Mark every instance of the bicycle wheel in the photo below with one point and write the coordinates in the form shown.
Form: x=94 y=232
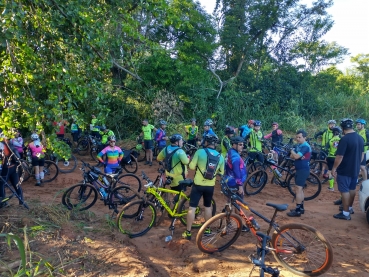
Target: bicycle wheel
x=83 y=147
x=141 y=156
x=254 y=166
x=160 y=210
x=302 y=250
x=199 y=214
x=225 y=230
x=120 y=196
x=317 y=167
x=136 y=218
x=80 y=197
x=93 y=153
x=131 y=166
x=312 y=188
x=130 y=180
x=51 y=171
x=67 y=166
x=255 y=182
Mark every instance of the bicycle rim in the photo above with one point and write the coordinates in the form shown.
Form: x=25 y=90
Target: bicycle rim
x=199 y=214
x=223 y=232
x=255 y=182
x=302 y=250
x=136 y=218
x=132 y=166
x=312 y=188
x=79 y=197
x=51 y=171
x=67 y=166
x=130 y=180
x=121 y=195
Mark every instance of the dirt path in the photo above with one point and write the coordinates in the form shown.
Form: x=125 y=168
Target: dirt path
x=93 y=247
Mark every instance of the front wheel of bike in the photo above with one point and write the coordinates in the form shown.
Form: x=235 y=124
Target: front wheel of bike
x=136 y=218
x=120 y=196
x=199 y=213
x=130 y=180
x=80 y=197
x=51 y=171
x=219 y=232
x=312 y=187
x=83 y=147
x=302 y=250
x=67 y=165
x=255 y=182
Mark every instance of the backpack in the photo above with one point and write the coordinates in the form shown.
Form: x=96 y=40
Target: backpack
x=168 y=159
x=211 y=165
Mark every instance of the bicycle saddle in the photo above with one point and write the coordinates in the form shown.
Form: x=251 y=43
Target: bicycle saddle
x=278 y=207
x=186 y=182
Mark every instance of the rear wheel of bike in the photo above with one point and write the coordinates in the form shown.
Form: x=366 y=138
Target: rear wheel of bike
x=222 y=231
x=80 y=197
x=120 y=196
x=93 y=153
x=160 y=210
x=67 y=165
x=141 y=154
x=136 y=218
x=317 y=167
x=130 y=180
x=255 y=182
x=302 y=250
x=132 y=165
x=199 y=214
x=312 y=188
x=51 y=171
x=83 y=147
x=254 y=166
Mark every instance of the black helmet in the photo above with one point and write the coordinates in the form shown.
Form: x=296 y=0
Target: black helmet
x=257 y=123
x=211 y=139
x=229 y=130
x=336 y=130
x=347 y=123
x=174 y=138
x=237 y=139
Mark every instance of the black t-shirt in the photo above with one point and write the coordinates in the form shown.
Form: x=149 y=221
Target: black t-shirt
x=351 y=147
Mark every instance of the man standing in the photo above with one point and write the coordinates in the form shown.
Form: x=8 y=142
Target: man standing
x=226 y=140
x=244 y=130
x=147 y=130
x=207 y=131
x=301 y=155
x=276 y=135
x=256 y=142
x=360 y=126
x=192 y=132
x=347 y=166
x=160 y=136
x=94 y=128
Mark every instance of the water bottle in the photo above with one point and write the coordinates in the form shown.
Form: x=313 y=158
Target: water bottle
x=103 y=193
x=254 y=223
x=29 y=159
x=276 y=171
x=168 y=238
x=106 y=182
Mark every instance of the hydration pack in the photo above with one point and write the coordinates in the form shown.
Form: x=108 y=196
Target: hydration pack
x=168 y=159
x=211 y=165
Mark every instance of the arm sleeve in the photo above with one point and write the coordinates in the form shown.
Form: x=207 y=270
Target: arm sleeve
x=121 y=155
x=183 y=157
x=279 y=132
x=221 y=165
x=161 y=155
x=193 y=163
x=236 y=170
x=99 y=156
x=268 y=136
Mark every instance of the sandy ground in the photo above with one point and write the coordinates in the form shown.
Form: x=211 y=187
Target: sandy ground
x=91 y=246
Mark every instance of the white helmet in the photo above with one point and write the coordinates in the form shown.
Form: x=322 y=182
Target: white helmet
x=34 y=137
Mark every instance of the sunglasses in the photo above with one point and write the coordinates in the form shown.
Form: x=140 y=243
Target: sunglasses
x=112 y=141
x=240 y=144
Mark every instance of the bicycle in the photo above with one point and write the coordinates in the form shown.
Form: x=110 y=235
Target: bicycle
x=112 y=189
x=189 y=148
x=299 y=248
x=85 y=144
x=257 y=180
x=140 y=149
x=26 y=170
x=138 y=217
x=5 y=199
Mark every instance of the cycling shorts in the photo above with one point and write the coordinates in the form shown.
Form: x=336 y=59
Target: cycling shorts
x=363 y=162
x=330 y=162
x=38 y=162
x=301 y=176
x=206 y=192
x=148 y=144
x=345 y=183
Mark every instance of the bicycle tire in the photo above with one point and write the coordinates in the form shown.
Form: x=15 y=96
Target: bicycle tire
x=255 y=182
x=120 y=196
x=254 y=166
x=225 y=230
x=312 y=188
x=130 y=180
x=136 y=218
x=75 y=197
x=199 y=214
x=312 y=239
x=83 y=147
x=141 y=154
x=317 y=167
x=93 y=153
x=69 y=166
x=161 y=212
x=51 y=171
x=132 y=166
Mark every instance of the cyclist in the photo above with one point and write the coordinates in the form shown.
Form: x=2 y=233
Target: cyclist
x=147 y=130
x=113 y=156
x=256 y=142
x=301 y=154
x=8 y=169
x=226 y=140
x=74 y=129
x=105 y=133
x=276 y=135
x=94 y=128
x=160 y=136
x=207 y=131
x=244 y=130
x=192 y=132
x=333 y=144
x=177 y=161
x=18 y=143
x=204 y=180
x=38 y=157
x=360 y=126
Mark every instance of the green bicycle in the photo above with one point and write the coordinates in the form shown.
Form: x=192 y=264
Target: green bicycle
x=138 y=217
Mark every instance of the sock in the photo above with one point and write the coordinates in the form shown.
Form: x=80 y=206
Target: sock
x=350 y=208
x=42 y=175
x=331 y=183
x=302 y=205
x=346 y=213
x=298 y=207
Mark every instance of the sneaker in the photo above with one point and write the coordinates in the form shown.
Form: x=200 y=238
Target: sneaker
x=341 y=209
x=337 y=202
x=150 y=164
x=302 y=211
x=38 y=183
x=330 y=189
x=207 y=232
x=342 y=216
x=294 y=213
x=186 y=235
x=146 y=163
x=245 y=229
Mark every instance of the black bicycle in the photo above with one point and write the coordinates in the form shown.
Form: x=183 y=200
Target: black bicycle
x=12 y=194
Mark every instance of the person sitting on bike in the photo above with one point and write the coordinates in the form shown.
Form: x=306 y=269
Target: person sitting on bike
x=207 y=131
x=105 y=133
x=8 y=171
x=192 y=132
x=301 y=154
x=333 y=144
x=178 y=161
x=360 y=126
x=160 y=136
x=147 y=130
x=18 y=143
x=38 y=157
x=256 y=142
x=204 y=180
x=244 y=130
x=226 y=140
x=113 y=156
x=276 y=135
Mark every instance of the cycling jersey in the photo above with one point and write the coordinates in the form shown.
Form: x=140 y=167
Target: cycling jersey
x=191 y=131
x=304 y=151
x=225 y=145
x=276 y=135
x=113 y=157
x=199 y=162
x=256 y=141
x=105 y=135
x=333 y=144
x=363 y=134
x=160 y=133
x=244 y=130
x=147 y=131
x=94 y=128
x=37 y=150
x=74 y=128
x=17 y=143
x=235 y=169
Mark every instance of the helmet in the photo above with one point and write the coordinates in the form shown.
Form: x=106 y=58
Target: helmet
x=331 y=121
x=211 y=139
x=251 y=121
x=208 y=122
x=193 y=119
x=336 y=130
x=174 y=138
x=360 y=120
x=275 y=123
x=139 y=146
x=111 y=138
x=162 y=122
x=102 y=127
x=34 y=137
x=257 y=123
x=347 y=123
x=229 y=130
x=237 y=139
